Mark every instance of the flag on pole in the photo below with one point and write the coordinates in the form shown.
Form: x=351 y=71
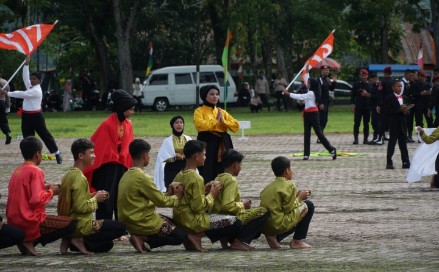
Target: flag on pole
x=420 y=57
x=149 y=67
x=225 y=58
x=321 y=53
x=25 y=40
x=240 y=62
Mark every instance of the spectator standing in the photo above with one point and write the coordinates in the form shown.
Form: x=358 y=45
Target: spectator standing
x=67 y=95
x=422 y=92
x=137 y=94
x=263 y=89
x=360 y=106
x=280 y=84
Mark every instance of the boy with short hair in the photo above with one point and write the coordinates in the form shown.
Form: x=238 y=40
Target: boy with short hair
x=229 y=199
x=191 y=214
x=76 y=201
x=289 y=209
x=27 y=198
x=137 y=200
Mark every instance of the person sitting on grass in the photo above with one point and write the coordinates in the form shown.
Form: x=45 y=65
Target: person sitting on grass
x=76 y=201
x=229 y=200
x=27 y=198
x=137 y=201
x=290 y=211
x=191 y=214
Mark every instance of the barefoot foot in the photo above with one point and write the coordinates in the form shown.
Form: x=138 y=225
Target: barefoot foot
x=138 y=244
x=65 y=243
x=298 y=244
x=79 y=244
x=238 y=245
x=195 y=240
x=272 y=242
x=30 y=248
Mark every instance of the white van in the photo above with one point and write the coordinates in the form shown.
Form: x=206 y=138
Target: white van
x=176 y=86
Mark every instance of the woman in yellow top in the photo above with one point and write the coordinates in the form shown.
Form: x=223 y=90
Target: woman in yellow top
x=212 y=124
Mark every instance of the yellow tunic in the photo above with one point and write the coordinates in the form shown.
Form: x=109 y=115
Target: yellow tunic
x=137 y=198
x=178 y=142
x=205 y=120
x=280 y=199
x=190 y=214
x=228 y=200
x=433 y=137
x=74 y=200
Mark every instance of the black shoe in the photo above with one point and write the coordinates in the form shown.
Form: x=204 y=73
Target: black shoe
x=334 y=153
x=410 y=140
x=355 y=141
x=389 y=166
x=385 y=138
x=318 y=141
x=8 y=139
x=406 y=165
x=58 y=158
x=365 y=141
x=305 y=158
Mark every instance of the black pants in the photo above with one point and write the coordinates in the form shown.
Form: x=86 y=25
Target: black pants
x=435 y=177
x=4 y=126
x=410 y=121
x=281 y=99
x=323 y=115
x=255 y=108
x=139 y=103
x=301 y=229
x=398 y=132
x=57 y=234
x=384 y=123
x=264 y=100
x=172 y=169
x=229 y=231
x=107 y=177
x=361 y=113
x=211 y=167
x=175 y=238
x=311 y=120
x=252 y=230
x=102 y=241
x=375 y=121
x=419 y=114
x=34 y=122
x=10 y=236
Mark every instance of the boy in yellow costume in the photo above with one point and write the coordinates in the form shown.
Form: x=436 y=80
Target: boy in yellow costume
x=290 y=211
x=76 y=201
x=229 y=200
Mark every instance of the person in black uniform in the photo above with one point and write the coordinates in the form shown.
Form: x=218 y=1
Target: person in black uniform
x=375 y=118
x=325 y=85
x=434 y=101
x=407 y=91
x=396 y=110
x=360 y=106
x=422 y=95
x=384 y=90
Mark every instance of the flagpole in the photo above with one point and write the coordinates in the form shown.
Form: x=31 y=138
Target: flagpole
x=292 y=81
x=21 y=65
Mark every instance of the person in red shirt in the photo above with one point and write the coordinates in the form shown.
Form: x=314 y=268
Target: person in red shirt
x=27 y=197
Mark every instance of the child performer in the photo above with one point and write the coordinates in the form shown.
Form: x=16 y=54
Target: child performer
x=27 y=198
x=137 y=200
x=290 y=211
x=229 y=200
x=397 y=112
x=311 y=118
x=76 y=201
x=190 y=213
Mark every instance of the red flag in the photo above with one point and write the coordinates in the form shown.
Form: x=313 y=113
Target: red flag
x=25 y=40
x=321 y=53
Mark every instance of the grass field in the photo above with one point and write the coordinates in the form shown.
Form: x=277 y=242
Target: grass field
x=151 y=123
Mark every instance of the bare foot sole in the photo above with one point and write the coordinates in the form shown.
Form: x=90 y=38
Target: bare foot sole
x=195 y=240
x=272 y=242
x=123 y=238
x=298 y=244
x=65 y=243
x=79 y=244
x=138 y=244
x=30 y=248
x=238 y=245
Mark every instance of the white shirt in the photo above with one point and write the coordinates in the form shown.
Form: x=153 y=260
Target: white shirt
x=309 y=97
x=32 y=96
x=399 y=97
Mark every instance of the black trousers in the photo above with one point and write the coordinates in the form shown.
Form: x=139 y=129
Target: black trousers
x=361 y=113
x=375 y=121
x=311 y=120
x=211 y=167
x=281 y=99
x=4 y=125
x=436 y=120
x=436 y=177
x=384 y=123
x=410 y=121
x=102 y=241
x=175 y=238
x=301 y=229
x=57 y=234
x=264 y=100
x=419 y=114
x=107 y=177
x=10 y=236
x=398 y=133
x=252 y=230
x=323 y=115
x=226 y=232
x=139 y=103
x=172 y=169
x=34 y=122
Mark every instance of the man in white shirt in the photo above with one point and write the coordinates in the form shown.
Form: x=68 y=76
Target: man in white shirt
x=32 y=119
x=4 y=126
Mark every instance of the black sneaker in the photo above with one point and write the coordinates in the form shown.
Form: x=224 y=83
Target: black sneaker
x=8 y=139
x=305 y=158
x=58 y=158
x=410 y=140
x=406 y=165
x=334 y=153
x=389 y=166
x=355 y=142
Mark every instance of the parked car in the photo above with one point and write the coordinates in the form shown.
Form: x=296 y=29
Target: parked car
x=176 y=86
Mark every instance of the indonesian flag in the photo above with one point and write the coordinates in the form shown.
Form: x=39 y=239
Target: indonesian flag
x=225 y=56
x=25 y=40
x=149 y=67
x=322 y=52
x=420 y=57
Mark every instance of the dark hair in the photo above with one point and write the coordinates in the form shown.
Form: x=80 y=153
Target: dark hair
x=29 y=146
x=138 y=147
x=80 y=146
x=37 y=75
x=193 y=147
x=395 y=82
x=279 y=164
x=231 y=156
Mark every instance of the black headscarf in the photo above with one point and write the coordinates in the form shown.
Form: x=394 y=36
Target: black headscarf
x=203 y=94
x=122 y=101
x=175 y=118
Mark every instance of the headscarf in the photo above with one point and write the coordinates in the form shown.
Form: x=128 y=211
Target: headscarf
x=122 y=101
x=203 y=94
x=175 y=118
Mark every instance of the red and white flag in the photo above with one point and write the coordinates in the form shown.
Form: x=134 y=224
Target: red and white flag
x=321 y=53
x=420 y=58
x=25 y=40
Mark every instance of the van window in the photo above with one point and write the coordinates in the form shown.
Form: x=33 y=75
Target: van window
x=205 y=77
x=220 y=76
x=183 y=78
x=159 y=79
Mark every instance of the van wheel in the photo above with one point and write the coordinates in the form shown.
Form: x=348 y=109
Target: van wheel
x=161 y=104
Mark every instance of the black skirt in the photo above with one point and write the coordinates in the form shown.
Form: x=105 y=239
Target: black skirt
x=172 y=169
